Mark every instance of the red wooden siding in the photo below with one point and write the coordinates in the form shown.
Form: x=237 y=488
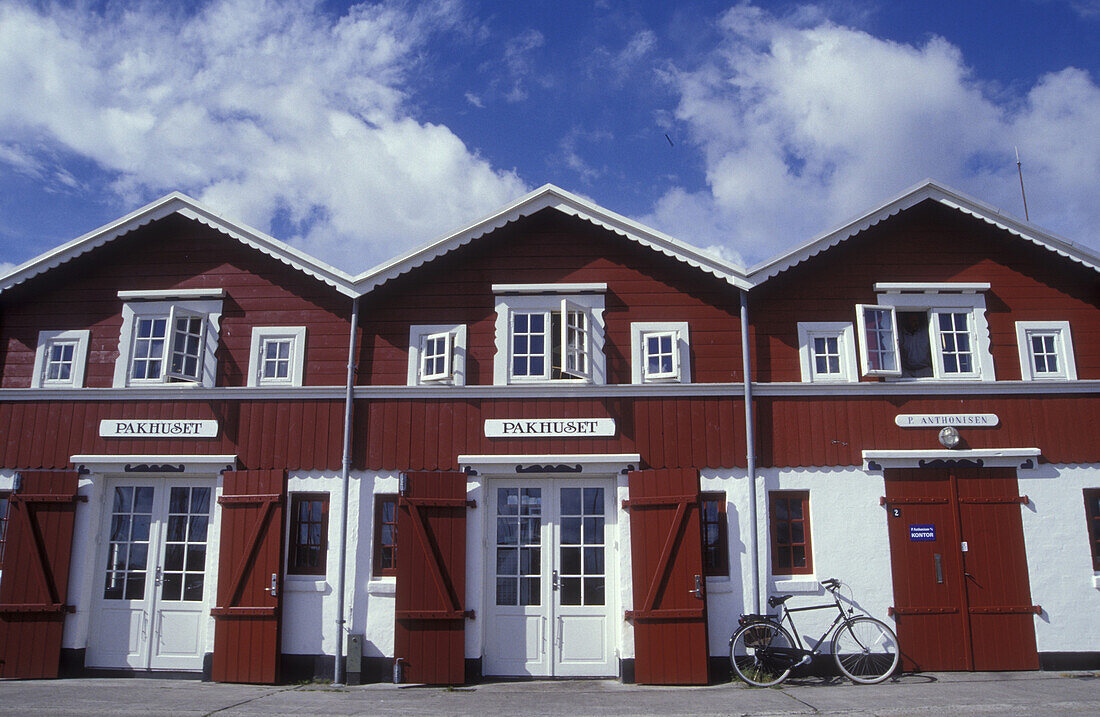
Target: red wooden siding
x=668 y=432
x=929 y=243
x=250 y=563
x=429 y=635
x=643 y=285
x=296 y=435
x=833 y=431
x=35 y=582
x=666 y=556
x=168 y=254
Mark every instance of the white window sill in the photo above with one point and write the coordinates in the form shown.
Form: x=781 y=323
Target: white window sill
x=806 y=584
x=1096 y=581
x=382 y=586
x=304 y=584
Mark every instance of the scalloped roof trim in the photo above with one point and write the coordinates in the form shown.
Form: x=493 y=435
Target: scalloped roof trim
x=936 y=192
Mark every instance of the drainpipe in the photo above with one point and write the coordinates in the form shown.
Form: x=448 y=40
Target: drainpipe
x=750 y=451
x=345 y=472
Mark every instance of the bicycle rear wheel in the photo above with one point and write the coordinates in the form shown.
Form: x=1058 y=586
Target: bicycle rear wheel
x=749 y=656
x=865 y=650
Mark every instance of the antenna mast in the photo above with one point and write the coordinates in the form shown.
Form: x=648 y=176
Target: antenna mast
x=1023 y=194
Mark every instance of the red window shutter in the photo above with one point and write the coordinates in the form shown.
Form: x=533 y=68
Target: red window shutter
x=35 y=582
x=429 y=636
x=250 y=561
x=669 y=615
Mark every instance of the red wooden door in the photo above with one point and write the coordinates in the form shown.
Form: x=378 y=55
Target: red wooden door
x=250 y=562
x=35 y=582
x=961 y=591
x=669 y=615
x=430 y=630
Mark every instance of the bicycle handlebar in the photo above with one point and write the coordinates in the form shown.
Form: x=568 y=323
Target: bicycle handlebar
x=830 y=583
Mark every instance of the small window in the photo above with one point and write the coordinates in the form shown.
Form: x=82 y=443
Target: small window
x=1092 y=515
x=385 y=535
x=59 y=359
x=168 y=342
x=277 y=356
x=660 y=352
x=308 y=534
x=1046 y=351
x=5 y=499
x=790 y=532
x=827 y=351
x=437 y=355
x=715 y=535
x=878 y=345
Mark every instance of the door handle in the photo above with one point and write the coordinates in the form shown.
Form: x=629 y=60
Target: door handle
x=939 y=567
x=274 y=589
x=698 y=591
x=554 y=580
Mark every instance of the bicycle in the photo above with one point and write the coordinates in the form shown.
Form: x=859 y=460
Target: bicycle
x=763 y=653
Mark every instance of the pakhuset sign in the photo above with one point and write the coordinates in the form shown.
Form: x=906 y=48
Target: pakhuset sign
x=548 y=427
x=130 y=428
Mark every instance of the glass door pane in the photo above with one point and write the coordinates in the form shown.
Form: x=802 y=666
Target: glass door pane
x=581 y=546
x=519 y=546
x=128 y=543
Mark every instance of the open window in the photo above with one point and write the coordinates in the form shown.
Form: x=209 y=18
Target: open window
x=277 y=356
x=929 y=331
x=59 y=359
x=437 y=355
x=1046 y=351
x=549 y=332
x=168 y=337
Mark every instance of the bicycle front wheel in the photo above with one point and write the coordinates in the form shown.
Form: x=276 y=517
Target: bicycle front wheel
x=750 y=658
x=865 y=650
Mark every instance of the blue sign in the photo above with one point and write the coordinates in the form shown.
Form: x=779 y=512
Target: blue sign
x=922 y=533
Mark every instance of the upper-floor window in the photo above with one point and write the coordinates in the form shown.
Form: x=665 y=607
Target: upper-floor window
x=549 y=332
x=277 y=356
x=1046 y=351
x=168 y=337
x=437 y=355
x=660 y=352
x=926 y=331
x=826 y=351
x=59 y=359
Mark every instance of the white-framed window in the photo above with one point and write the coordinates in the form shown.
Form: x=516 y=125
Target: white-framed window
x=826 y=351
x=926 y=331
x=660 y=352
x=59 y=359
x=1046 y=351
x=277 y=356
x=437 y=354
x=549 y=332
x=168 y=338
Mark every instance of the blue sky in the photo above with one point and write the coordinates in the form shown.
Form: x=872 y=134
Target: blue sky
x=355 y=131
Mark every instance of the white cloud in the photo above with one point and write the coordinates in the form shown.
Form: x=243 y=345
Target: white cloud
x=803 y=123
x=262 y=109
x=519 y=61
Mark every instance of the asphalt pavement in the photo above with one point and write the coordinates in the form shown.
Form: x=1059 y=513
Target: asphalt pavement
x=1002 y=694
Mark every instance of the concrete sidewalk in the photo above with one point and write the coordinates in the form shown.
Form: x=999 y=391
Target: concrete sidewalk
x=1019 y=693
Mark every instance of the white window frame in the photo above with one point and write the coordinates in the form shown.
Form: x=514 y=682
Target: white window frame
x=1063 y=345
x=296 y=335
x=934 y=299
x=78 y=339
x=681 y=352
x=547 y=299
x=456 y=360
x=209 y=309
x=844 y=333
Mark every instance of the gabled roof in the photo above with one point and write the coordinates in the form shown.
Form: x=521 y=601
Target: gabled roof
x=927 y=190
x=176 y=203
x=549 y=196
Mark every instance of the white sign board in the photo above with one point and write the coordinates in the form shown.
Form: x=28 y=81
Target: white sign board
x=131 y=428
x=938 y=420
x=548 y=427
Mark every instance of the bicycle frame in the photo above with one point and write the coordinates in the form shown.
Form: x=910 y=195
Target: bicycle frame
x=786 y=615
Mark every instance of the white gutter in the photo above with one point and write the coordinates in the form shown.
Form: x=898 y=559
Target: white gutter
x=750 y=451
x=345 y=471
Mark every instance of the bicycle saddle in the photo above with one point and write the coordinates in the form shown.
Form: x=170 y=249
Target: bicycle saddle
x=777 y=600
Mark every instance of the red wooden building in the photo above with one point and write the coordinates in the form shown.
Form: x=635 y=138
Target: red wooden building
x=524 y=449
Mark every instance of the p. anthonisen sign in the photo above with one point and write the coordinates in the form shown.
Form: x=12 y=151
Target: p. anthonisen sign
x=938 y=420
x=548 y=427
x=133 y=428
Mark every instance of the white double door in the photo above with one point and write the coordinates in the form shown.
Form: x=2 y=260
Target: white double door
x=550 y=578
x=151 y=587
